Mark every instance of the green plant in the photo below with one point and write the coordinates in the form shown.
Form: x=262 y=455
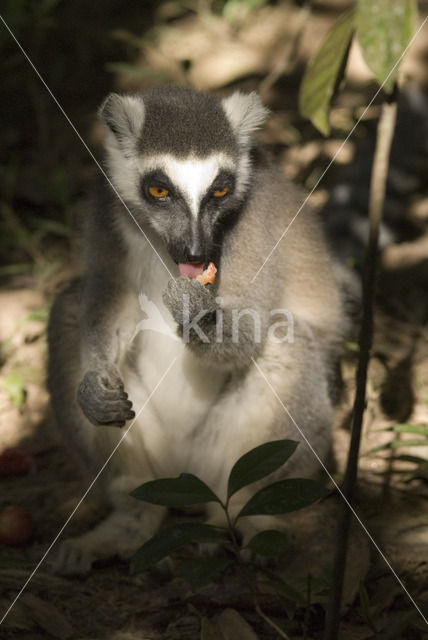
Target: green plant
x=384 y=30
x=232 y=9
x=418 y=465
x=14 y=386
x=278 y=498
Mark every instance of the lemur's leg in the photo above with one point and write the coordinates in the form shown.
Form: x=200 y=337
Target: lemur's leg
x=249 y=414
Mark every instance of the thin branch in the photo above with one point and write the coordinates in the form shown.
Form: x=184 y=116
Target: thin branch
x=385 y=134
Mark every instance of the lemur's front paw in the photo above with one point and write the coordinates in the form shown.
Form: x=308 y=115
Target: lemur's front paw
x=103 y=400
x=186 y=298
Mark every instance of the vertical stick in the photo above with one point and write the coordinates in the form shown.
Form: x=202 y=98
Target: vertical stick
x=385 y=132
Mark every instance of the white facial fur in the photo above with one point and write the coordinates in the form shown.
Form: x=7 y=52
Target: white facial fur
x=124 y=119
x=128 y=120
x=193 y=176
x=246 y=113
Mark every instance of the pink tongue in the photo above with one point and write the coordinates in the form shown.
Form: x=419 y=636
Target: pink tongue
x=190 y=269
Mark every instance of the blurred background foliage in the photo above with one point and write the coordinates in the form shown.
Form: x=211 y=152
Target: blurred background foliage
x=82 y=50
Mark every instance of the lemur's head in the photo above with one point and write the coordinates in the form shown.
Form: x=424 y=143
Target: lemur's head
x=180 y=159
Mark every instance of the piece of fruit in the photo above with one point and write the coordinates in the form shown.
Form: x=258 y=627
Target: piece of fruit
x=208 y=276
x=16 y=526
x=14 y=462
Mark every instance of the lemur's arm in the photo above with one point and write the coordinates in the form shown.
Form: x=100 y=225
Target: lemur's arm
x=226 y=334
x=101 y=394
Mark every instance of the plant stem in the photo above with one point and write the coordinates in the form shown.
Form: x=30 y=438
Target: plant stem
x=231 y=526
x=385 y=132
x=248 y=578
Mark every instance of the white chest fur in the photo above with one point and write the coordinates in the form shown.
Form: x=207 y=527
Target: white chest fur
x=188 y=391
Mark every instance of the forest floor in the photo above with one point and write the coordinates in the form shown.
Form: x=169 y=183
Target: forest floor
x=392 y=498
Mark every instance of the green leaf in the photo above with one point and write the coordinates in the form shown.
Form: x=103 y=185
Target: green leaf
x=237 y=9
x=284 y=496
x=269 y=543
x=41 y=315
x=185 y=490
x=172 y=538
x=325 y=72
x=384 y=29
x=258 y=463
x=14 y=386
x=364 y=600
x=411 y=428
x=199 y=572
x=354 y=347
x=398 y=444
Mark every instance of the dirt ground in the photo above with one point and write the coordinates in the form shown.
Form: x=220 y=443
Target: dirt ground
x=265 y=49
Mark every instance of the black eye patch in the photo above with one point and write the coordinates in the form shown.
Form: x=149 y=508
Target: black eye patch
x=159 y=180
x=224 y=183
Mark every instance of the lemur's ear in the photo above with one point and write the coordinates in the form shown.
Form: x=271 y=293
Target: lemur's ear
x=246 y=113
x=123 y=117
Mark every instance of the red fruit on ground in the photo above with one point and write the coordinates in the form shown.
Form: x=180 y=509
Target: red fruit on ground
x=14 y=462
x=16 y=526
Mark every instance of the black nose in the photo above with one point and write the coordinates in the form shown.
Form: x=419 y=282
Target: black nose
x=197 y=258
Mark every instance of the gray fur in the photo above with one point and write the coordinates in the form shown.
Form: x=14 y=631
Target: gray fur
x=174 y=125
x=213 y=405
x=229 y=352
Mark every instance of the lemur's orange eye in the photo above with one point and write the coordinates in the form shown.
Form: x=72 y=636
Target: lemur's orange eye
x=158 y=192
x=220 y=193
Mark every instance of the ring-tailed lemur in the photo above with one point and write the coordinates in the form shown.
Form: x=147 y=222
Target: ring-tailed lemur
x=184 y=164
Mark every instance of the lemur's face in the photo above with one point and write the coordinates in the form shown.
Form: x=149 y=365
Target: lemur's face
x=188 y=200
x=180 y=159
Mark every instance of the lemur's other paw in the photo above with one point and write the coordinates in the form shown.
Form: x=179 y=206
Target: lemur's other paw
x=185 y=298
x=103 y=400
